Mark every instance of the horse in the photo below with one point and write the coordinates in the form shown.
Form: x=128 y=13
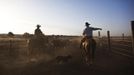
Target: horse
x=37 y=45
x=88 y=52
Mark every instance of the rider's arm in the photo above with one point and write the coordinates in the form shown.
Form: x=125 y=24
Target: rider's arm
x=96 y=28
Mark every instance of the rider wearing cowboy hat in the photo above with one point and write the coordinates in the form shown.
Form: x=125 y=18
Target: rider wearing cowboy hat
x=38 y=32
x=88 y=33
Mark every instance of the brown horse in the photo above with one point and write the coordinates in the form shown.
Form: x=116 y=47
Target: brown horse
x=37 y=46
x=88 y=53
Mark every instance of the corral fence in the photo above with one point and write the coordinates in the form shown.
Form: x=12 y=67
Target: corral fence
x=13 y=48
x=123 y=45
x=117 y=44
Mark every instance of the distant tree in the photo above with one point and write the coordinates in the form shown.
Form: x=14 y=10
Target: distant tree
x=10 y=34
x=26 y=35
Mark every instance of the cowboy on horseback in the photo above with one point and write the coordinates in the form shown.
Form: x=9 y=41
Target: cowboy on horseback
x=88 y=44
x=88 y=33
x=38 y=33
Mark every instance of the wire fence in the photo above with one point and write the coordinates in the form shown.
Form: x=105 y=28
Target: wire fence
x=120 y=45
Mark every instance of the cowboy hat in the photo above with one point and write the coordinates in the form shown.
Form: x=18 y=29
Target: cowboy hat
x=87 y=24
x=38 y=25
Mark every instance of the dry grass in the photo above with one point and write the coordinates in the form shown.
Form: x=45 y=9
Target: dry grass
x=15 y=59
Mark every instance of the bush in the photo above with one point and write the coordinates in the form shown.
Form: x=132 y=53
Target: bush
x=26 y=35
x=10 y=34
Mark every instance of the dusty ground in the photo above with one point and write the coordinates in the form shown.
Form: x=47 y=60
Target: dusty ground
x=44 y=64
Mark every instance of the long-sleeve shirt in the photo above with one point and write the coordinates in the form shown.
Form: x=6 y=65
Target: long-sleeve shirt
x=38 y=33
x=88 y=31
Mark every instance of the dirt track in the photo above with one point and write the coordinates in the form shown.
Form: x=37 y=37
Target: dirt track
x=105 y=64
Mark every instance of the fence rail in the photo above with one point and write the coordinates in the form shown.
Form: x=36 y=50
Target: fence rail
x=10 y=47
x=120 y=45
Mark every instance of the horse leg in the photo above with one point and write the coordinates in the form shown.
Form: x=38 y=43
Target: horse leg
x=91 y=56
x=88 y=59
x=88 y=56
x=93 y=48
x=84 y=56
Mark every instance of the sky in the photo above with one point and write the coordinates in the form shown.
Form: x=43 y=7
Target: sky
x=66 y=17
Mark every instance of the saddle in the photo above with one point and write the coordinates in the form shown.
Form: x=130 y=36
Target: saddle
x=88 y=42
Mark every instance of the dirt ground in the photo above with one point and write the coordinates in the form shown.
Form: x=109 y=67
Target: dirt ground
x=105 y=63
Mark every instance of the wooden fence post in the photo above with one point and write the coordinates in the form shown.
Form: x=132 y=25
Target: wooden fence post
x=123 y=36
x=10 y=47
x=99 y=39
x=99 y=34
x=132 y=27
x=109 y=43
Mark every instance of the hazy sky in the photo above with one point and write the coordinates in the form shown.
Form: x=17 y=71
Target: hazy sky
x=66 y=16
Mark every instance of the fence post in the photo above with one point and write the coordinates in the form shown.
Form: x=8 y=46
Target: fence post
x=123 y=36
x=109 y=43
x=10 y=47
x=99 y=39
x=132 y=27
x=99 y=34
